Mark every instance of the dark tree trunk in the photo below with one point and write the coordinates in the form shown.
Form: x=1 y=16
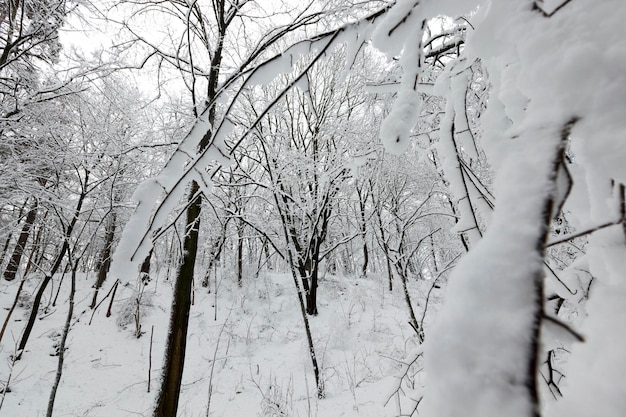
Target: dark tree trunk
x=315 y=249
x=12 y=309
x=240 y=254
x=167 y=400
x=62 y=343
x=301 y=302
x=18 y=252
x=34 y=310
x=268 y=259
x=385 y=247
x=304 y=270
x=43 y=244
x=36 y=249
x=310 y=278
x=145 y=265
x=57 y=263
x=5 y=248
x=434 y=254
x=363 y=227
x=105 y=259
x=316 y=371
x=7 y=242
x=407 y=298
x=215 y=254
x=389 y=274
x=550 y=209
x=365 y=259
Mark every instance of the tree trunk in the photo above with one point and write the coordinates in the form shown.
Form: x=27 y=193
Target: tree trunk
x=407 y=298
x=12 y=309
x=62 y=343
x=16 y=258
x=57 y=263
x=304 y=270
x=36 y=249
x=145 y=266
x=5 y=248
x=240 y=254
x=44 y=243
x=37 y=301
x=214 y=254
x=268 y=259
x=365 y=259
x=433 y=252
x=167 y=400
x=105 y=260
x=363 y=227
x=301 y=302
x=385 y=247
x=7 y=242
x=311 y=293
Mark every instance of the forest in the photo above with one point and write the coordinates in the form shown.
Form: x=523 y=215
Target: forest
x=301 y=208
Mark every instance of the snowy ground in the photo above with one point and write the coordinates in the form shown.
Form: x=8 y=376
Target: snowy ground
x=253 y=358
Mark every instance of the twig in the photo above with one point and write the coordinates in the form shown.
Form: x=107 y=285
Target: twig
x=573 y=236
x=545 y=14
x=150 y=357
x=102 y=301
x=559 y=279
x=117 y=283
x=406 y=366
x=217 y=346
x=564 y=326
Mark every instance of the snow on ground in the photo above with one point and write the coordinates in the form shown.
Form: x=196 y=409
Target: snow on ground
x=255 y=351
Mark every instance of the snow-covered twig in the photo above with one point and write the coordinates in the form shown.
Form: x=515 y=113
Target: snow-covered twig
x=12 y=360
x=541 y=10
x=396 y=390
x=564 y=326
x=582 y=233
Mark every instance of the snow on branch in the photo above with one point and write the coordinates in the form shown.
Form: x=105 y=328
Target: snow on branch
x=398 y=30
